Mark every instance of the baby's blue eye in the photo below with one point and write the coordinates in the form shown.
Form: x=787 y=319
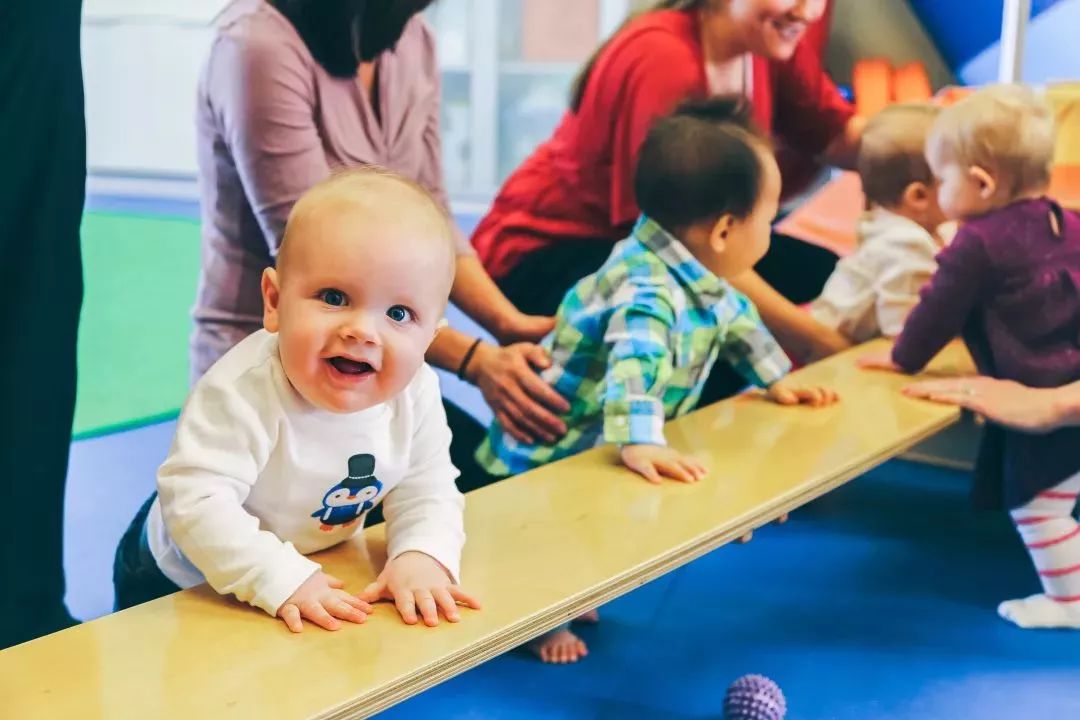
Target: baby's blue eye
x=399 y=314
x=333 y=298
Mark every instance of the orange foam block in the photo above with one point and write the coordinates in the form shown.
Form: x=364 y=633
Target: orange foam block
x=1065 y=186
x=828 y=218
x=911 y=83
x=872 y=84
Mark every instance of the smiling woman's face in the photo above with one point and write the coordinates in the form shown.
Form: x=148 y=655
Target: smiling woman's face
x=773 y=28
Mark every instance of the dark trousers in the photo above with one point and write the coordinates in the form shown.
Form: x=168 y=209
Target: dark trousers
x=136 y=576
x=537 y=285
x=42 y=181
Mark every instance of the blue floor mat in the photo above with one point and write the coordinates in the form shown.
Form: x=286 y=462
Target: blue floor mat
x=876 y=601
x=109 y=477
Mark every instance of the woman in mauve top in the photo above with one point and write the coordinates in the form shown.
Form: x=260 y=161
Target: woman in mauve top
x=557 y=216
x=287 y=96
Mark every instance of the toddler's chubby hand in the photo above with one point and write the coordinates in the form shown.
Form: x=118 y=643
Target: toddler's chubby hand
x=654 y=462
x=323 y=601
x=881 y=360
x=415 y=582
x=788 y=393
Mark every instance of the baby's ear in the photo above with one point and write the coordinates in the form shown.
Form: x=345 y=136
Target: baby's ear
x=718 y=237
x=271 y=292
x=916 y=195
x=985 y=180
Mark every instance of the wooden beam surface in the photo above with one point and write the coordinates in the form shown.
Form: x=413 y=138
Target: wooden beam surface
x=542 y=547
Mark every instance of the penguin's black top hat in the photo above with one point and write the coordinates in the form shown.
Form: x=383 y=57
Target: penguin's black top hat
x=361 y=467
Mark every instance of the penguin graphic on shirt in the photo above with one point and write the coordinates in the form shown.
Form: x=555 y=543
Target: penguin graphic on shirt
x=344 y=503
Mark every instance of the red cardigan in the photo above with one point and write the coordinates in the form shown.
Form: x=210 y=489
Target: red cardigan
x=578 y=186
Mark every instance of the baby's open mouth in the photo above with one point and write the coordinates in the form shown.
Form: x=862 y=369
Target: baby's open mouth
x=346 y=366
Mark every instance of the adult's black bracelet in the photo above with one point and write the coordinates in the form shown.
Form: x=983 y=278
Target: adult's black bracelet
x=468 y=356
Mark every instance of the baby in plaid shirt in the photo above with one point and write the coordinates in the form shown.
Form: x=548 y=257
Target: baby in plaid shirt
x=634 y=343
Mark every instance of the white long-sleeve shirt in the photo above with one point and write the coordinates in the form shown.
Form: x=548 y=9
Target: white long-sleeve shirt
x=872 y=291
x=257 y=478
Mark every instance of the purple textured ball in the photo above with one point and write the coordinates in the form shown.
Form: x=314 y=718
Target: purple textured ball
x=754 y=697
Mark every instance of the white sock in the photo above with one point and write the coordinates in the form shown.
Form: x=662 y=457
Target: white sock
x=1052 y=538
x=1039 y=611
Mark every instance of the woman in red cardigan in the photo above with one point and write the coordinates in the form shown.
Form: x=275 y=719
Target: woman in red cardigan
x=557 y=216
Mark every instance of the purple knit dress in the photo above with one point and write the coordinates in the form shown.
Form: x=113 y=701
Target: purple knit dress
x=1010 y=285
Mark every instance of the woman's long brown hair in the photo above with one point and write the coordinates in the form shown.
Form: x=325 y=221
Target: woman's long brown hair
x=577 y=90
x=340 y=34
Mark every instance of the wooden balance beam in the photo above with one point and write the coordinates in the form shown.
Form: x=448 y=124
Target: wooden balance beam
x=543 y=547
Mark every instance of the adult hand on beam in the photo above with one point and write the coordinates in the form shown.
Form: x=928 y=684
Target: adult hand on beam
x=1032 y=410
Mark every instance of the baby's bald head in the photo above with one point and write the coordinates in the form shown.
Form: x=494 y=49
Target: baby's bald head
x=376 y=200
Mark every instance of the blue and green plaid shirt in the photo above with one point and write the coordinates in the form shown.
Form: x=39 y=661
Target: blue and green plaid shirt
x=632 y=346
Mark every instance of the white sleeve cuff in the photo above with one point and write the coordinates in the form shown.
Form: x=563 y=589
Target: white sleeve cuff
x=273 y=590
x=438 y=548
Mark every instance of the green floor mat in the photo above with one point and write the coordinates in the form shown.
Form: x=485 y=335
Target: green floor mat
x=141 y=274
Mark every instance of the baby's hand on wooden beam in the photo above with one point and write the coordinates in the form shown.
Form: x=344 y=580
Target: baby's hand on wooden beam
x=323 y=601
x=655 y=462
x=787 y=393
x=421 y=588
x=880 y=360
